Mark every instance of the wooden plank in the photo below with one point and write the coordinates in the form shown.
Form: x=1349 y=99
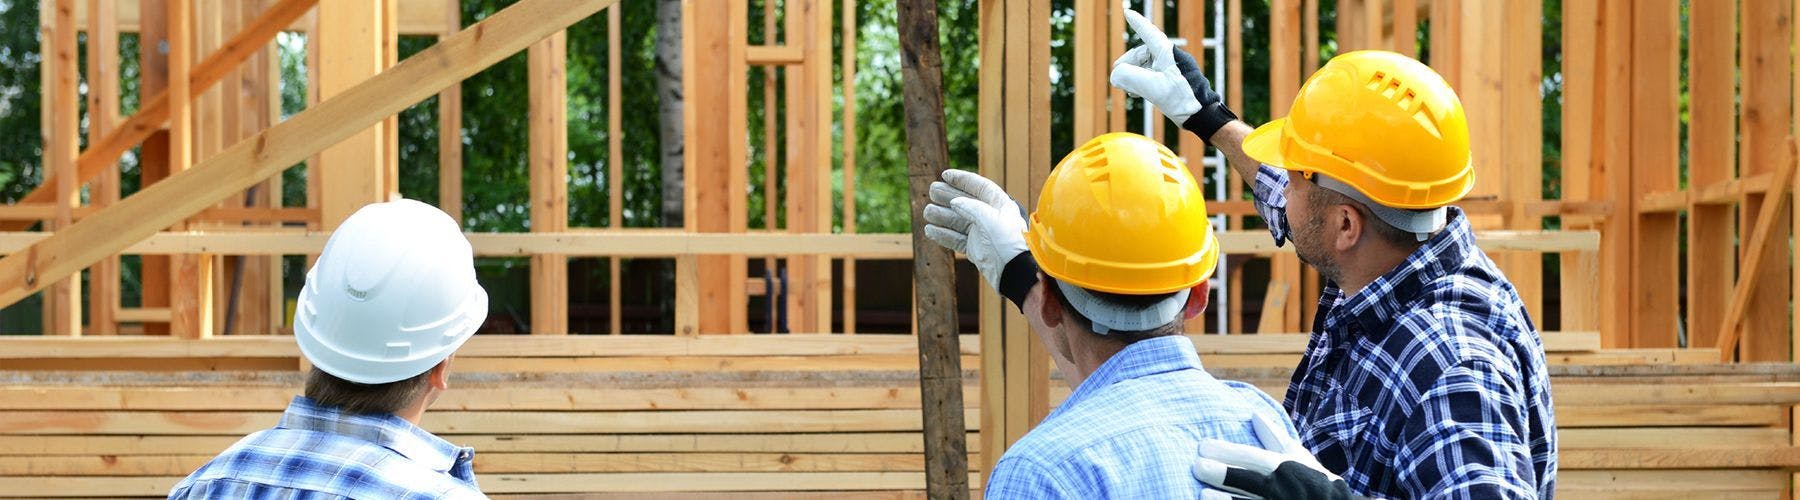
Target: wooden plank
x=1579 y=270
x=1668 y=482
x=991 y=117
x=1309 y=33
x=1284 y=85
x=1667 y=415
x=549 y=173
x=450 y=153
x=254 y=159
x=848 y=68
x=1522 y=104
x=1655 y=138
x=350 y=43
x=103 y=114
x=615 y=158
x=1446 y=39
x=1612 y=160
x=836 y=442
x=507 y=463
x=1766 y=79
x=449 y=423
x=1406 y=27
x=773 y=55
x=190 y=277
x=1655 y=437
x=631 y=482
x=655 y=243
x=61 y=68
x=1677 y=458
x=517 y=398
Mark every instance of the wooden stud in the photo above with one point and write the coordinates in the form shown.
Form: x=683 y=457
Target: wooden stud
x=1766 y=77
x=848 y=66
x=62 y=117
x=190 y=285
x=1580 y=270
x=1191 y=25
x=350 y=46
x=103 y=115
x=992 y=119
x=549 y=169
x=615 y=159
x=1655 y=137
x=1406 y=27
x=257 y=158
x=1309 y=32
x=1613 y=160
x=1446 y=39
x=1522 y=58
x=1284 y=85
x=1712 y=131
x=450 y=147
x=771 y=162
x=1234 y=98
x=390 y=128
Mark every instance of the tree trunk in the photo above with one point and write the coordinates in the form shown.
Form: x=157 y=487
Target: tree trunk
x=668 y=93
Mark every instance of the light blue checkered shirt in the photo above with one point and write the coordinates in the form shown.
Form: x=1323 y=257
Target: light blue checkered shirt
x=1133 y=429
x=318 y=452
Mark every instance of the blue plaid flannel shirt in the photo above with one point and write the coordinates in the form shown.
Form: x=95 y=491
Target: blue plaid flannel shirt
x=1132 y=429
x=317 y=452
x=1428 y=383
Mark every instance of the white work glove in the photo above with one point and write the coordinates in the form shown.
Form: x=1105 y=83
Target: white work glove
x=1286 y=470
x=1149 y=71
x=970 y=214
x=1171 y=80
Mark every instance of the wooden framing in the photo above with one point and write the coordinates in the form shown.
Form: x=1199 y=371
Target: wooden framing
x=1767 y=92
x=61 y=114
x=547 y=77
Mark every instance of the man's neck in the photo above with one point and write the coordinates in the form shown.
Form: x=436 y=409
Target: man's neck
x=1370 y=264
x=1090 y=352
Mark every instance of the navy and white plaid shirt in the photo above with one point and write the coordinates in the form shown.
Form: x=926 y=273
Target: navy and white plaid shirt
x=1429 y=382
x=318 y=452
x=1131 y=429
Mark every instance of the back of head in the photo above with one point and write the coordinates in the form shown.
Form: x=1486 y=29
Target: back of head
x=393 y=295
x=1121 y=226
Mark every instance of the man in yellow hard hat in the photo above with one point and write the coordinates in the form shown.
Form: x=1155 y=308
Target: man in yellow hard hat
x=1424 y=377
x=1122 y=237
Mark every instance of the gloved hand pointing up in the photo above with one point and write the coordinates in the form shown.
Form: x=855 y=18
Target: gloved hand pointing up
x=1170 y=79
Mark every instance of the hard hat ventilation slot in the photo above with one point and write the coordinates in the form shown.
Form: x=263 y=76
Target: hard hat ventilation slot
x=1377 y=81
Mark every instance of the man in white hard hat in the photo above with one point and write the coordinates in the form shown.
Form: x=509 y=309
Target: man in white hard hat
x=388 y=302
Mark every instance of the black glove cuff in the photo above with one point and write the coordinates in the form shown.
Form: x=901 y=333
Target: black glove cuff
x=1016 y=280
x=1209 y=120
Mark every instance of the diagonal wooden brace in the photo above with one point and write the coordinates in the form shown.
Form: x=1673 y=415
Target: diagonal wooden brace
x=1773 y=204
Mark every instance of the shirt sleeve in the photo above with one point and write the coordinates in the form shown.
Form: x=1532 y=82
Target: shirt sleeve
x=1271 y=200
x=1020 y=478
x=1466 y=440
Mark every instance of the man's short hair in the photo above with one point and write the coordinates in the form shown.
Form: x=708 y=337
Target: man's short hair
x=326 y=389
x=1131 y=301
x=1386 y=232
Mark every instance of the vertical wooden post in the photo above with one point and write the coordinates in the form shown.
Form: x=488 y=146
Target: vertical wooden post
x=62 y=116
x=809 y=153
x=1234 y=186
x=450 y=153
x=615 y=158
x=1284 y=85
x=992 y=119
x=1309 y=35
x=716 y=176
x=1712 y=131
x=1655 y=139
x=1581 y=63
x=849 y=159
x=1446 y=38
x=549 y=173
x=1613 y=171
x=1191 y=25
x=350 y=46
x=154 y=155
x=940 y=362
x=771 y=162
x=1114 y=38
x=1766 y=77
x=103 y=115
x=1523 y=103
x=1406 y=28
x=190 y=290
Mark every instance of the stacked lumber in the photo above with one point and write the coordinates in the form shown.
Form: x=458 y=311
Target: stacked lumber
x=778 y=416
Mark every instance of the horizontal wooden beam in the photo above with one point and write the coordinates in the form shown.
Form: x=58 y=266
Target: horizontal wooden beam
x=142 y=315
x=269 y=152
x=769 y=55
x=512 y=346
x=835 y=442
x=739 y=485
x=1534 y=208
x=663 y=243
x=26 y=212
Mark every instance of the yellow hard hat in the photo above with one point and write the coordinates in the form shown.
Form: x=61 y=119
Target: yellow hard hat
x=1121 y=214
x=1381 y=122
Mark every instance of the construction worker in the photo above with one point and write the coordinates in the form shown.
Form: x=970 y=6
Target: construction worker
x=1424 y=376
x=1125 y=247
x=388 y=302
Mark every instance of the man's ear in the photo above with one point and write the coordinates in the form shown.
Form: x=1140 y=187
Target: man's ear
x=440 y=374
x=1196 y=301
x=1350 y=227
x=1050 y=309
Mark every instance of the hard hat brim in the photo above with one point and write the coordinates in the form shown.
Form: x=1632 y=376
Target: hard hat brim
x=1264 y=144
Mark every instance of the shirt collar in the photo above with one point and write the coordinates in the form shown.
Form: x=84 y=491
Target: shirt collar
x=1376 y=305
x=386 y=430
x=1141 y=359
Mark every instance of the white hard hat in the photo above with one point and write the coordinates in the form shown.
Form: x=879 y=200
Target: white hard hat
x=393 y=294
